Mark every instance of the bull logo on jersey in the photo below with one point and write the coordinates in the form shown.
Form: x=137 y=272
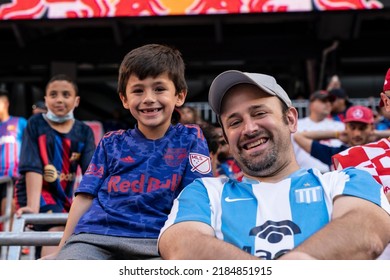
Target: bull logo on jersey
x=278 y=237
x=50 y=173
x=200 y=163
x=174 y=157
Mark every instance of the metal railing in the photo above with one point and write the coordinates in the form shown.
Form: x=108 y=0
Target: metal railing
x=302 y=105
x=18 y=237
x=5 y=218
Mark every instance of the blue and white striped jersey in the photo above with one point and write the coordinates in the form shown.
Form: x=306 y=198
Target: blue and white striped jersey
x=269 y=219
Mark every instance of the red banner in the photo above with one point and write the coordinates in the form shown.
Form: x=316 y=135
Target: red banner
x=54 y=9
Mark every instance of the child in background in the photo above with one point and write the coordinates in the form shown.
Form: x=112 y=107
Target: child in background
x=54 y=145
x=128 y=190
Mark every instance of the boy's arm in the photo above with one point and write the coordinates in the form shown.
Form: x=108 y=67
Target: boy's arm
x=33 y=190
x=359 y=230
x=196 y=240
x=81 y=203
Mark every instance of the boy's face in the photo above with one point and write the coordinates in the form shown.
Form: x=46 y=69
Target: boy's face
x=151 y=102
x=61 y=98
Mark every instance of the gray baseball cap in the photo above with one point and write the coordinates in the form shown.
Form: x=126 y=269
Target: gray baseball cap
x=224 y=81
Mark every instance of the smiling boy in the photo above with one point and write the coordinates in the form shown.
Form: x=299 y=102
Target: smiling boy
x=127 y=192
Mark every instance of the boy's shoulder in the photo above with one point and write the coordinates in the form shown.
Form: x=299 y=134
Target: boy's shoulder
x=114 y=134
x=189 y=129
x=176 y=131
x=36 y=120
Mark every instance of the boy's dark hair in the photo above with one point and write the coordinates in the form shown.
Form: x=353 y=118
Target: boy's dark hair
x=150 y=61
x=63 y=77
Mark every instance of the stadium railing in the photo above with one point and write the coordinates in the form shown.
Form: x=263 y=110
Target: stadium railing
x=302 y=105
x=12 y=241
x=6 y=217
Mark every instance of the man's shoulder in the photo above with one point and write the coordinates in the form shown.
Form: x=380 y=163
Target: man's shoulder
x=211 y=182
x=351 y=172
x=19 y=118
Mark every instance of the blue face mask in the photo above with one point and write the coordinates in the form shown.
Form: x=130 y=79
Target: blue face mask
x=54 y=118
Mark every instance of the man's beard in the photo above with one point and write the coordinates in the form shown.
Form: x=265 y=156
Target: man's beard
x=259 y=168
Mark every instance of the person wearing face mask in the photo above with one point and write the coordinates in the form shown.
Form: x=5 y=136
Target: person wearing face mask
x=54 y=145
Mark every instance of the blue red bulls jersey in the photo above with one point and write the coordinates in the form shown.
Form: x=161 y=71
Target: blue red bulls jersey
x=269 y=219
x=134 y=180
x=11 y=134
x=56 y=156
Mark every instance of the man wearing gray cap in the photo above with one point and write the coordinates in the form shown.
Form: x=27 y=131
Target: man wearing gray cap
x=278 y=211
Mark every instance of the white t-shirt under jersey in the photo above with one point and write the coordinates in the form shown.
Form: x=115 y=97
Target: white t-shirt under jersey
x=304 y=159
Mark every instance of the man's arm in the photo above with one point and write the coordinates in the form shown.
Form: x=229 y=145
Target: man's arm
x=303 y=141
x=379 y=134
x=196 y=240
x=359 y=230
x=305 y=138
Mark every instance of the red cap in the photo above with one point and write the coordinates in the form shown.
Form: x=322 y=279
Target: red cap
x=359 y=114
x=386 y=86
